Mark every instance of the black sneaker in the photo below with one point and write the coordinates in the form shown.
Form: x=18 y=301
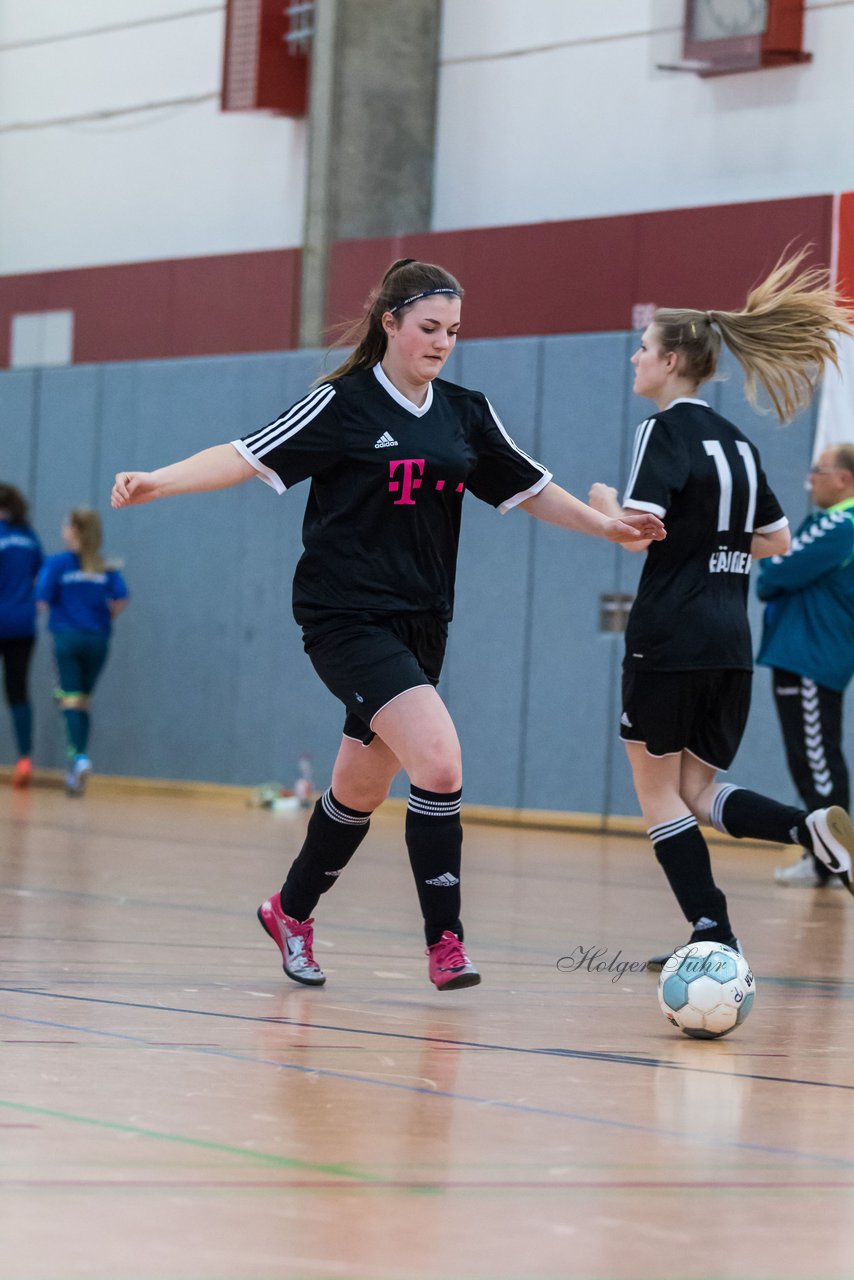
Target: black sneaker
x=656 y=963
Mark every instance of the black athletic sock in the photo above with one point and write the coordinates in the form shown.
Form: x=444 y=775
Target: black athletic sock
x=434 y=838
x=684 y=858
x=333 y=836
x=745 y=814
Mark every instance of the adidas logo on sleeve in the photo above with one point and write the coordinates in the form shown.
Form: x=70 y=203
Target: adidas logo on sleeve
x=385 y=441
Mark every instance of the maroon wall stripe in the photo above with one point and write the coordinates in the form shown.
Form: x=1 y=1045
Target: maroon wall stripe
x=586 y=276
x=710 y=257
x=147 y=310
x=553 y=277
x=845 y=265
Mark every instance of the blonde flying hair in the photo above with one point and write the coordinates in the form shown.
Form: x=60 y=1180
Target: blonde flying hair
x=403 y=284
x=86 y=523
x=783 y=338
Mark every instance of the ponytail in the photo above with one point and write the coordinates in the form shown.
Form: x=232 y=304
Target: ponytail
x=783 y=338
x=86 y=523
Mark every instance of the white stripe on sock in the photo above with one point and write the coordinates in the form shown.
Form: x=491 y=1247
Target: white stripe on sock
x=716 y=813
x=434 y=808
x=666 y=830
x=337 y=815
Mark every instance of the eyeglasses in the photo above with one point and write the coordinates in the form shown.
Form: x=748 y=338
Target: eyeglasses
x=824 y=471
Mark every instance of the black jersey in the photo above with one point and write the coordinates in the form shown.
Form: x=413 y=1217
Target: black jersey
x=382 y=522
x=703 y=477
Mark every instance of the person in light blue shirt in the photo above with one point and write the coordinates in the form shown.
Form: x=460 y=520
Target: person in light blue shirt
x=808 y=641
x=83 y=595
x=20 y=560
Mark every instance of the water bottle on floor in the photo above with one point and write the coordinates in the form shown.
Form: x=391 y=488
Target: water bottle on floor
x=304 y=785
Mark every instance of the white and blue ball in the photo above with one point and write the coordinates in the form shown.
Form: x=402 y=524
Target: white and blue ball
x=706 y=989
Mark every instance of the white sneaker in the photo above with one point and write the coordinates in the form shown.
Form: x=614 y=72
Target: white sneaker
x=803 y=875
x=832 y=839
x=77 y=775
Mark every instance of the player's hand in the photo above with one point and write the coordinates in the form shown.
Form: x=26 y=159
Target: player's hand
x=133 y=488
x=603 y=498
x=636 y=526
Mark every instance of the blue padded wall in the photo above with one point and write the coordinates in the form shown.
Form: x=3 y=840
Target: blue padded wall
x=207 y=678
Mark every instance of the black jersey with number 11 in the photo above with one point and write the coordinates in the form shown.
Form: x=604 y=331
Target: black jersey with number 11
x=704 y=478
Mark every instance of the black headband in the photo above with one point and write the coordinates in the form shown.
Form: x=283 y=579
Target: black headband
x=427 y=293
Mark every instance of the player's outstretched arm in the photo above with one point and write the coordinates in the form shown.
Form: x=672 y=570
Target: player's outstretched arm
x=555 y=506
x=604 y=498
x=216 y=468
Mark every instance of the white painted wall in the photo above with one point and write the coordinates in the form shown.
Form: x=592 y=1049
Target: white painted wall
x=165 y=182
x=548 y=109
x=555 y=109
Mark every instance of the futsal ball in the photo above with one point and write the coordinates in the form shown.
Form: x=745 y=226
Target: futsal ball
x=706 y=989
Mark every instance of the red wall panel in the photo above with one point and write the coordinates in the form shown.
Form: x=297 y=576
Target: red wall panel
x=710 y=257
x=554 y=277
x=192 y=306
x=585 y=276
x=845 y=262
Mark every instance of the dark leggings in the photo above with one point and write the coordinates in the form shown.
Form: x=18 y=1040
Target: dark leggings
x=16 y=653
x=811 y=720
x=80 y=656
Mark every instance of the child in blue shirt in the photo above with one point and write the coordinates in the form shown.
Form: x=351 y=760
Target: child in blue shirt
x=83 y=595
x=20 y=560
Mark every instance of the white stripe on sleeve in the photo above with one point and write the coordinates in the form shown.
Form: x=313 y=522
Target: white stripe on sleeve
x=512 y=442
x=297 y=417
x=535 y=488
x=527 y=493
x=642 y=435
x=772 y=528
x=264 y=473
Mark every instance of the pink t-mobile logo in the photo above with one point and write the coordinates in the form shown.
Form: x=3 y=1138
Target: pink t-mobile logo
x=411 y=479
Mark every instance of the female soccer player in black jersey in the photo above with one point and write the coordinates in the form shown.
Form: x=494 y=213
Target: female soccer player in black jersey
x=688 y=660
x=390 y=451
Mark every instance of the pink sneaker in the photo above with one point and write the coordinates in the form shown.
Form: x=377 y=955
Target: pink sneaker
x=294 y=940
x=23 y=774
x=450 y=967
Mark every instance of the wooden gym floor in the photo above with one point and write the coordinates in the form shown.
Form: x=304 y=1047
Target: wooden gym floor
x=171 y=1106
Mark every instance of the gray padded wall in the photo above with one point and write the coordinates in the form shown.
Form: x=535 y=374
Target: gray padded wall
x=574 y=667
x=786 y=452
x=488 y=651
x=207 y=678
x=19 y=428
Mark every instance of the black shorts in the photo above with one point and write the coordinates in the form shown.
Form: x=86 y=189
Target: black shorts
x=703 y=712
x=366 y=663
